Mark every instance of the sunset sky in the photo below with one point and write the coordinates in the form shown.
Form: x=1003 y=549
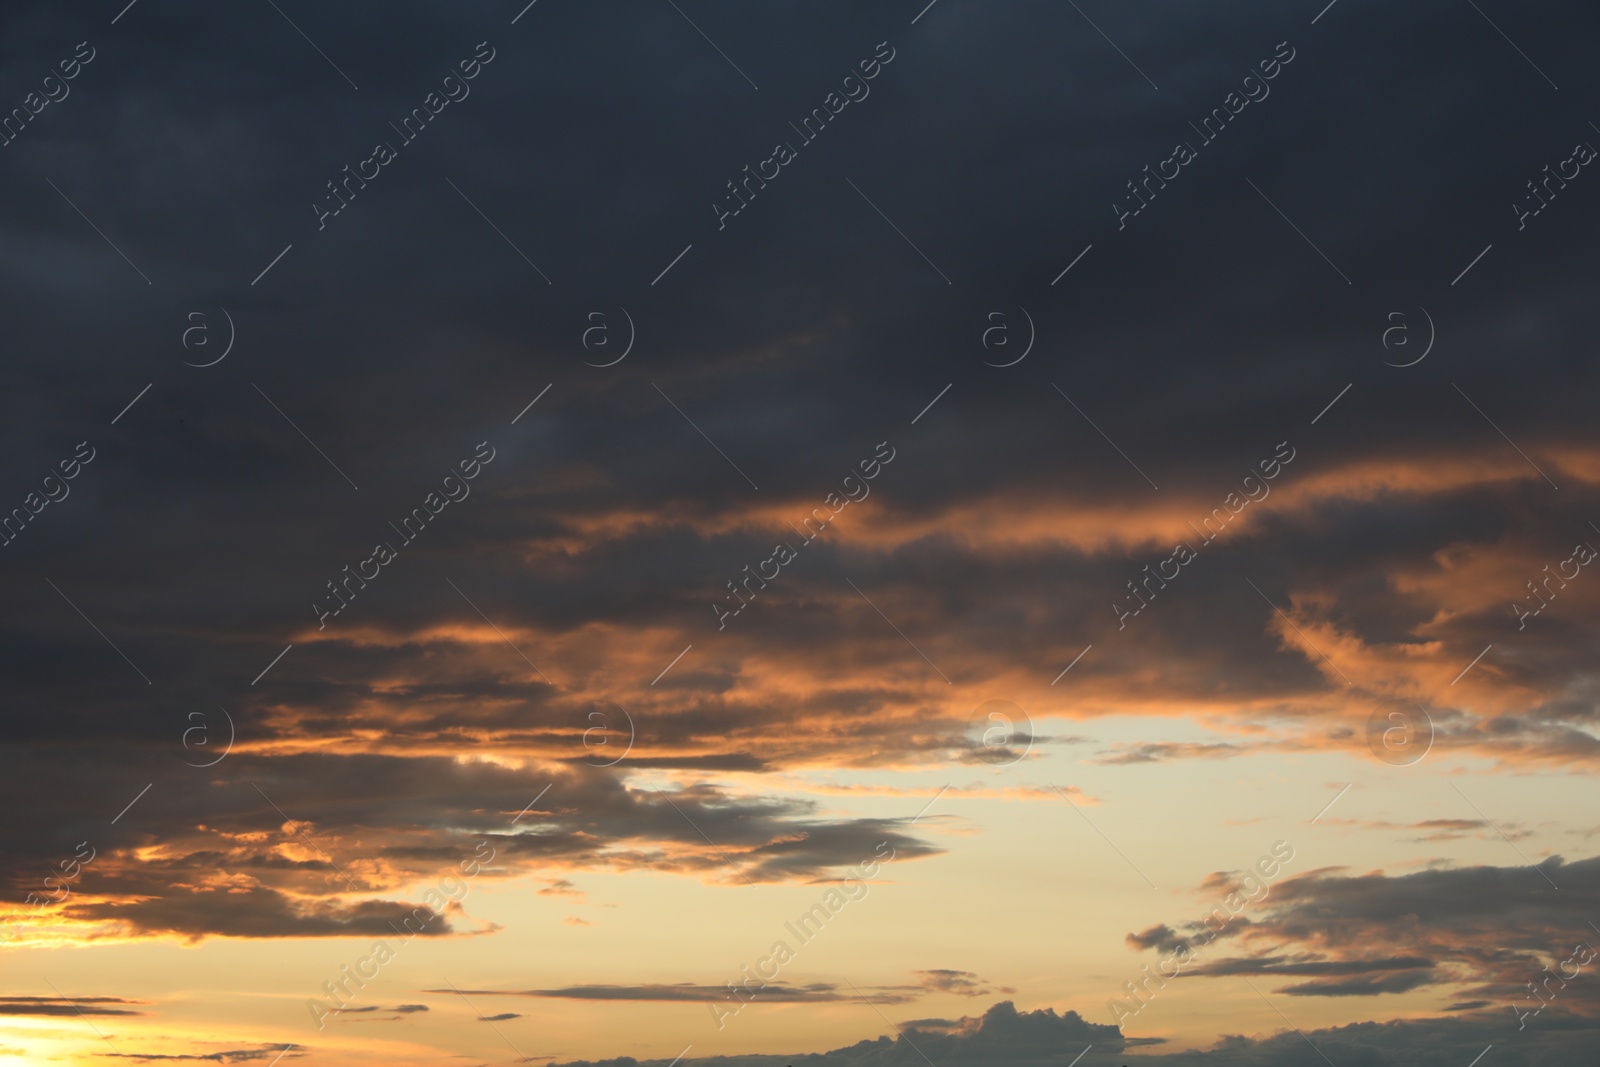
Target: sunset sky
x=1011 y=534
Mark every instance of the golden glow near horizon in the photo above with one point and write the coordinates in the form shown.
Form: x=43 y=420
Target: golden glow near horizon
x=565 y=928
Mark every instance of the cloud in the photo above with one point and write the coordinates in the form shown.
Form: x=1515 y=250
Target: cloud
x=1280 y=965
x=1441 y=829
x=772 y=992
x=1164 y=751
x=1002 y=1035
x=235 y=1055
x=371 y=837
x=1364 y=986
x=37 y=1005
x=962 y=983
x=1479 y=933
x=377 y=1013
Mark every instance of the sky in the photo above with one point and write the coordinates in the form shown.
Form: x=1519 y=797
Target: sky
x=676 y=531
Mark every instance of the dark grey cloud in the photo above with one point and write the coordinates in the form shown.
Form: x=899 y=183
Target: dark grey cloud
x=772 y=992
x=1002 y=1035
x=1161 y=751
x=964 y=983
x=1005 y=1037
x=35 y=1005
x=1512 y=939
x=374 y=1013
x=432 y=821
x=263 y=1053
x=758 y=347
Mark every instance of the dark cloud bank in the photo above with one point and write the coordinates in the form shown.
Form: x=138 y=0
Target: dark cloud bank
x=1005 y=1037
